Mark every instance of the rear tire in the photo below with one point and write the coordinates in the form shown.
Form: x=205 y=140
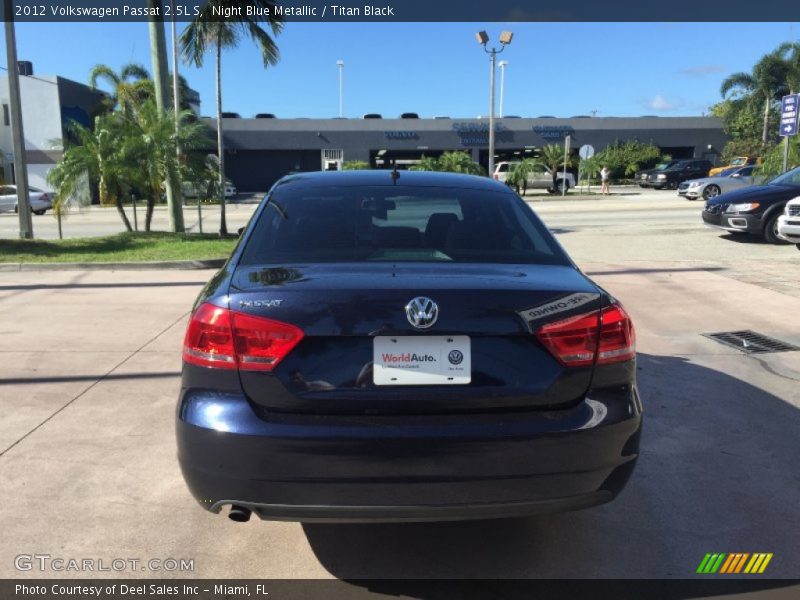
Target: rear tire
x=562 y=185
x=771 y=230
x=39 y=212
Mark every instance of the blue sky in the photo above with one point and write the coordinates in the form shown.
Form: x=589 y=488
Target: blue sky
x=559 y=69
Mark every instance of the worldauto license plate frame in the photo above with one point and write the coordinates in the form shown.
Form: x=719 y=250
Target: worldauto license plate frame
x=422 y=360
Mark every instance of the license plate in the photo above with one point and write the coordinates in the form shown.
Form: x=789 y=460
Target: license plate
x=421 y=360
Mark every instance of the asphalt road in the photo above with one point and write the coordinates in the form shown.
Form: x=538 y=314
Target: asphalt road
x=89 y=380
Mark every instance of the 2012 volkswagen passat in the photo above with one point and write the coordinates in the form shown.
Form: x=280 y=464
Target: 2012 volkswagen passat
x=404 y=346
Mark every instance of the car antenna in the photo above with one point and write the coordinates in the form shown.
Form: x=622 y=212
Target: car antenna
x=395 y=174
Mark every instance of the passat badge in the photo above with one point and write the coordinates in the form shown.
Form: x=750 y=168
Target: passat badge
x=422 y=312
x=260 y=303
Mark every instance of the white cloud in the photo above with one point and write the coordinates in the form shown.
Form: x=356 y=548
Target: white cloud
x=660 y=103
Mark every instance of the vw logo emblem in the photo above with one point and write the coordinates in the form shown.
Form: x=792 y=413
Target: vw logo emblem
x=422 y=312
x=455 y=357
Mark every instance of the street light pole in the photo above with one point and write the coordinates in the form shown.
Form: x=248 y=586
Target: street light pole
x=491 y=112
x=505 y=39
x=340 y=64
x=17 y=133
x=502 y=64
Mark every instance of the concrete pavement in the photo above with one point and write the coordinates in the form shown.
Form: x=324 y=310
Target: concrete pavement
x=90 y=374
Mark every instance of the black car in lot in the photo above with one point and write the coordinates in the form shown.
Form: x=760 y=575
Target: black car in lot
x=642 y=177
x=676 y=173
x=754 y=209
x=404 y=346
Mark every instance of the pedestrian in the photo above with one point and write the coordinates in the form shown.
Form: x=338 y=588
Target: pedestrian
x=604 y=174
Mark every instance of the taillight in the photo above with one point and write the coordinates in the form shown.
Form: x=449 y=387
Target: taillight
x=225 y=339
x=45 y=198
x=496 y=177
x=617 y=336
x=575 y=343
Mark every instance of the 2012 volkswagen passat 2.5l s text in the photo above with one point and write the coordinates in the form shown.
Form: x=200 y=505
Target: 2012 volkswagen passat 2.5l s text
x=404 y=346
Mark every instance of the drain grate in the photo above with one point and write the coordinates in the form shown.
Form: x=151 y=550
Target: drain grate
x=750 y=342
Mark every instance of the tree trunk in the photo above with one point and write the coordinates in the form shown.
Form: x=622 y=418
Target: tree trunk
x=123 y=216
x=765 y=134
x=158 y=55
x=148 y=217
x=223 y=225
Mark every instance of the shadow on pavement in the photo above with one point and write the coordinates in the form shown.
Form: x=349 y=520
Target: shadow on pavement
x=744 y=238
x=718 y=472
x=69 y=378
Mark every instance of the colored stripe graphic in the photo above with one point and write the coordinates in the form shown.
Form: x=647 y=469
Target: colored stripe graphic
x=733 y=563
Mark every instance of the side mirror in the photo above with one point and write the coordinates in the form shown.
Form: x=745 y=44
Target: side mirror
x=240 y=231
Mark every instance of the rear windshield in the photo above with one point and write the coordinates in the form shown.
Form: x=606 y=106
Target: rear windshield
x=346 y=224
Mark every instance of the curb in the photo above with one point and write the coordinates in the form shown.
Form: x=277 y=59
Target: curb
x=168 y=265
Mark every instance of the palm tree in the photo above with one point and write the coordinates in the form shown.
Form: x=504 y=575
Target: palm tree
x=552 y=157
x=790 y=53
x=765 y=84
x=158 y=54
x=158 y=142
x=105 y=156
x=459 y=161
x=208 y=31
x=455 y=161
x=518 y=176
x=130 y=86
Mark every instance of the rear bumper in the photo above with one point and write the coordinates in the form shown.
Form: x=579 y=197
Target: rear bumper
x=362 y=468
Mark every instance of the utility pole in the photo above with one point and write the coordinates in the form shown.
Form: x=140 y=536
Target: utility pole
x=502 y=64
x=340 y=64
x=158 y=57
x=17 y=131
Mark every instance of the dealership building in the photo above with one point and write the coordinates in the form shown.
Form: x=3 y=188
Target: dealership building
x=259 y=151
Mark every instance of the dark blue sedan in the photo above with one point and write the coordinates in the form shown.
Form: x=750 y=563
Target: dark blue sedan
x=409 y=346
x=754 y=209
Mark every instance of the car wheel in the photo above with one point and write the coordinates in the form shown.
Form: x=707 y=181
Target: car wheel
x=39 y=212
x=562 y=186
x=673 y=185
x=771 y=230
x=711 y=191
x=16 y=209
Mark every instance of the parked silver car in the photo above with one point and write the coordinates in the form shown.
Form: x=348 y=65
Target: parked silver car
x=39 y=199
x=709 y=187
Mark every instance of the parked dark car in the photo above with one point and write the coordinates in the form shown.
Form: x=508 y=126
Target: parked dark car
x=754 y=209
x=642 y=177
x=404 y=346
x=676 y=173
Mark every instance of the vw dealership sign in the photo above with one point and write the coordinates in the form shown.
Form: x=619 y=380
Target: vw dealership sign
x=789 y=115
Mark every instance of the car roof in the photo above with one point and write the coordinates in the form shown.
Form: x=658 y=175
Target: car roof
x=381 y=177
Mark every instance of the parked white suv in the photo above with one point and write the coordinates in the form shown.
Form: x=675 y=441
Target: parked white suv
x=539 y=178
x=789 y=222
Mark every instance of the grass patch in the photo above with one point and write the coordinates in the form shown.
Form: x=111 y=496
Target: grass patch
x=122 y=247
